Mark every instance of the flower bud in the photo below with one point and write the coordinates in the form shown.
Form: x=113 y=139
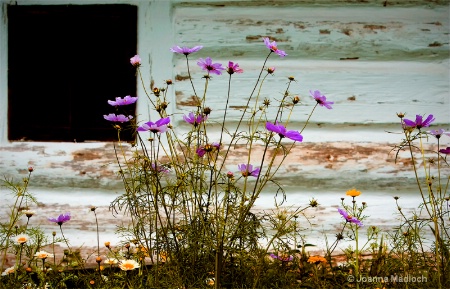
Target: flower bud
x=207 y=111
x=107 y=244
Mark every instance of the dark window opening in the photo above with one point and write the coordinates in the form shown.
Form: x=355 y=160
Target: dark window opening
x=64 y=63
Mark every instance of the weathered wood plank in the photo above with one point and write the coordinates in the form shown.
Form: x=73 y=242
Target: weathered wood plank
x=369 y=33
x=364 y=92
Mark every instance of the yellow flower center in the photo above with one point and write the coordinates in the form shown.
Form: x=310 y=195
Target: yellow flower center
x=128 y=266
x=42 y=256
x=274 y=48
x=21 y=240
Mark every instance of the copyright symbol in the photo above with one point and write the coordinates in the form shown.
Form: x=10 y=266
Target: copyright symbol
x=350 y=278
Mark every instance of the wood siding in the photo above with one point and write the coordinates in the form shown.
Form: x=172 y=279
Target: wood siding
x=372 y=60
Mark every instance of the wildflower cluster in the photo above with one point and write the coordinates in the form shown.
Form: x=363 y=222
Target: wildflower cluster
x=212 y=204
x=191 y=198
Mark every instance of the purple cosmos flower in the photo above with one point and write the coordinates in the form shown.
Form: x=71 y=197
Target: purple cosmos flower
x=202 y=150
x=158 y=126
x=247 y=170
x=350 y=218
x=206 y=64
x=321 y=99
x=123 y=101
x=233 y=68
x=282 y=132
x=135 y=60
x=193 y=119
x=273 y=47
x=282 y=258
x=445 y=151
x=61 y=219
x=419 y=123
x=117 y=118
x=185 y=50
x=439 y=132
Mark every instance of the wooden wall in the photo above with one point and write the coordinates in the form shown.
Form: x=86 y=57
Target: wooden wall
x=372 y=58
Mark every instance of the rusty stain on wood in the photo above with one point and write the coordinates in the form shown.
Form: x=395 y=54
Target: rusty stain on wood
x=191 y=101
x=179 y=77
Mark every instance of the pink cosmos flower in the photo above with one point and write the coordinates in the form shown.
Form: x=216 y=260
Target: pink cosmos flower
x=202 y=150
x=117 y=118
x=61 y=219
x=195 y=120
x=273 y=47
x=233 y=68
x=349 y=218
x=135 y=60
x=123 y=101
x=282 y=132
x=158 y=126
x=321 y=99
x=419 y=123
x=247 y=170
x=206 y=64
x=439 y=132
x=445 y=151
x=185 y=50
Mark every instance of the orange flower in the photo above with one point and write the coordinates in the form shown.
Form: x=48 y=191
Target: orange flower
x=163 y=256
x=316 y=259
x=353 y=193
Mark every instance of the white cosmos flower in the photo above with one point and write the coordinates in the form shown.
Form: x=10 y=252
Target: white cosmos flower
x=128 y=265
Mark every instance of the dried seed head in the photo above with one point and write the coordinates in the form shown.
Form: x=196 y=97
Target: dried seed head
x=313 y=203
